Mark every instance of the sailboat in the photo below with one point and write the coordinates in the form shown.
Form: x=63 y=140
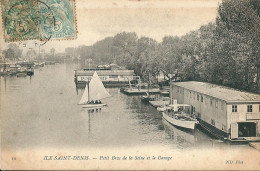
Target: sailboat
x=94 y=91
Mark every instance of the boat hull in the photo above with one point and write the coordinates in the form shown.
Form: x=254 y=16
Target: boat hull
x=161 y=109
x=180 y=123
x=147 y=99
x=21 y=75
x=93 y=106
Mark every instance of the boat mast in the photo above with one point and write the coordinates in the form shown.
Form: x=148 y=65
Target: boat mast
x=88 y=79
x=88 y=91
x=148 y=82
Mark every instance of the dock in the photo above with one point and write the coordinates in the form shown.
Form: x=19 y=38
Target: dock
x=136 y=91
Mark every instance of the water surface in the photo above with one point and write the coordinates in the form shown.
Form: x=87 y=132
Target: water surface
x=42 y=111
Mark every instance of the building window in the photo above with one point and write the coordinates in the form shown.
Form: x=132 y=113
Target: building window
x=193 y=95
x=212 y=122
x=210 y=101
x=222 y=106
x=199 y=115
x=259 y=108
x=234 y=108
x=201 y=98
x=249 y=108
x=198 y=97
x=216 y=104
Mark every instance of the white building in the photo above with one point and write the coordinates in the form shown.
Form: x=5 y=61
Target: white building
x=224 y=111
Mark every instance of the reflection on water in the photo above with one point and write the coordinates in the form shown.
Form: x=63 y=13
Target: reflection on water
x=42 y=111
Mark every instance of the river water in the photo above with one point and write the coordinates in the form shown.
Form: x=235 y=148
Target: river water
x=42 y=111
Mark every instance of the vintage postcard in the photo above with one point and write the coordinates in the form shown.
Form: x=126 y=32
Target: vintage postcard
x=130 y=85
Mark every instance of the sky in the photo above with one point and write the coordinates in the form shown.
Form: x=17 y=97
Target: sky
x=97 y=19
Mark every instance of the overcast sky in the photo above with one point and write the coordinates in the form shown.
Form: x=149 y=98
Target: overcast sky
x=97 y=19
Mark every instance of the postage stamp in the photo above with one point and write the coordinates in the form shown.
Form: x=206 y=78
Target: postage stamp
x=57 y=19
x=38 y=19
x=20 y=20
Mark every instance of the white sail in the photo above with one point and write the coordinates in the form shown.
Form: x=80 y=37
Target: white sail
x=84 y=98
x=97 y=91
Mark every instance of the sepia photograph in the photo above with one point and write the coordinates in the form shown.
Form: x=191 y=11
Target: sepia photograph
x=130 y=85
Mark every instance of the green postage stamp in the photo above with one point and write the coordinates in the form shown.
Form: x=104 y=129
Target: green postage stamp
x=38 y=19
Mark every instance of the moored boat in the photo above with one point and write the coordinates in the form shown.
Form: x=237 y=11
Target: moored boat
x=21 y=74
x=147 y=97
x=165 y=93
x=132 y=91
x=30 y=71
x=162 y=108
x=179 y=116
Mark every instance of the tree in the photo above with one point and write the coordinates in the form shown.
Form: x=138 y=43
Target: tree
x=13 y=51
x=170 y=54
x=124 y=49
x=31 y=53
x=52 y=52
x=237 y=27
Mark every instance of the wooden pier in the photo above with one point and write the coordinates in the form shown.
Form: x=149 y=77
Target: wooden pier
x=136 y=91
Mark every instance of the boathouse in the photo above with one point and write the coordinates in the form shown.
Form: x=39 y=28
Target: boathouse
x=223 y=111
x=108 y=76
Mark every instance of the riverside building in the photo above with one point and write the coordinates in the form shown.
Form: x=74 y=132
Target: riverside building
x=224 y=112
x=108 y=76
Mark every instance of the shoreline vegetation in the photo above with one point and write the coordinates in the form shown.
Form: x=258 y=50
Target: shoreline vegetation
x=225 y=52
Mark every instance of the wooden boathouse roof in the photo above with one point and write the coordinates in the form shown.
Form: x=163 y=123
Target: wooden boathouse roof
x=220 y=92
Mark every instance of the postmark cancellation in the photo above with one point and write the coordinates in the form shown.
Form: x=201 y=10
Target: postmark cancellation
x=38 y=19
x=20 y=20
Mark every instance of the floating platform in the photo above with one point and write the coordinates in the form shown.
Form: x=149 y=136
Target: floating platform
x=132 y=91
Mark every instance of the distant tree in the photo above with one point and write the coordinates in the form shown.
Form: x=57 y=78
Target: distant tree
x=52 y=52
x=31 y=53
x=101 y=51
x=170 y=55
x=13 y=51
x=124 y=49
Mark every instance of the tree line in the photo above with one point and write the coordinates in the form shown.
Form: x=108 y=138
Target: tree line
x=225 y=52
